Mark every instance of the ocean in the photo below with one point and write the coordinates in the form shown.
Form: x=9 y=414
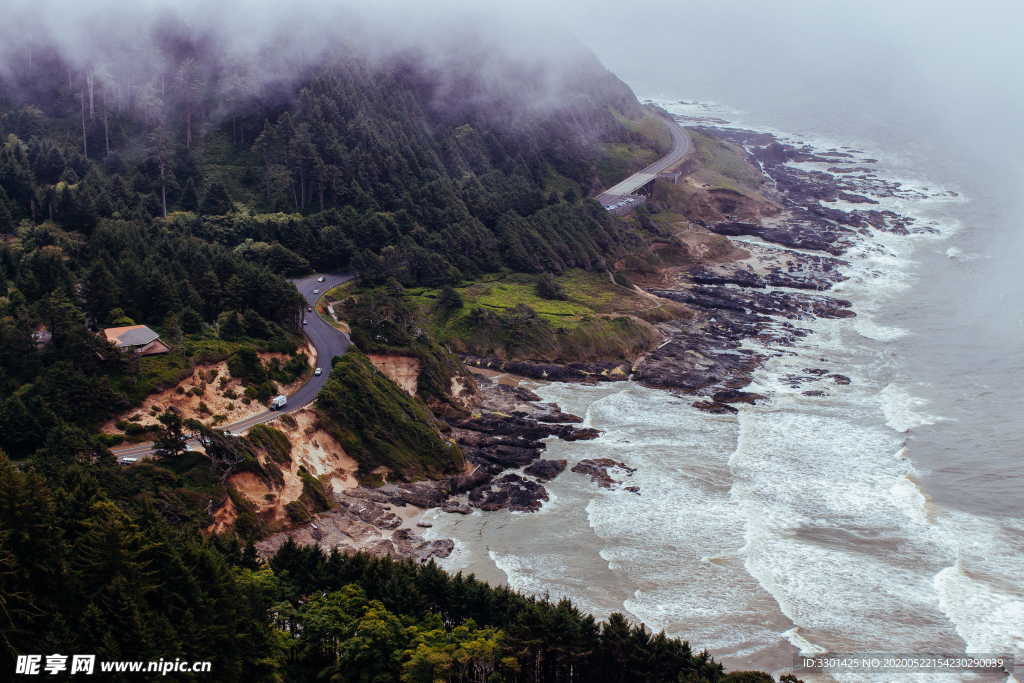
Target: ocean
x=885 y=516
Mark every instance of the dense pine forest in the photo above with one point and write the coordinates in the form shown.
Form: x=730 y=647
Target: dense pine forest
x=181 y=192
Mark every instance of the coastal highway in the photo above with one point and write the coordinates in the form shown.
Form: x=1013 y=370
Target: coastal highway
x=681 y=146
x=326 y=340
x=330 y=342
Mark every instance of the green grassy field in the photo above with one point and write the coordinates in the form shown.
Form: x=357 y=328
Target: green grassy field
x=598 y=320
x=723 y=165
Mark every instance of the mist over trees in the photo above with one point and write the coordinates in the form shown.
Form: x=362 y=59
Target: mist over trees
x=157 y=170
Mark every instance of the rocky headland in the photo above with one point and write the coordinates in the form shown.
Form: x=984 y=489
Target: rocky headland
x=752 y=261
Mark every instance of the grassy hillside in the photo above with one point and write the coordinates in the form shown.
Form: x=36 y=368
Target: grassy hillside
x=724 y=166
x=380 y=425
x=504 y=315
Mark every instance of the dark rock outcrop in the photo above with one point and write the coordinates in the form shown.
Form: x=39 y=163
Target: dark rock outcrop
x=546 y=470
x=421 y=494
x=598 y=470
x=715 y=408
x=510 y=492
x=456 y=507
x=734 y=396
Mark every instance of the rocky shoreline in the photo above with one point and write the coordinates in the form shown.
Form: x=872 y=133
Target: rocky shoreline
x=793 y=258
x=789 y=261
x=502 y=440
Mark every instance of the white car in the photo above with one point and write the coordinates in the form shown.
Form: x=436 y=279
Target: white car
x=305 y=322
x=316 y=291
x=320 y=279
x=318 y=372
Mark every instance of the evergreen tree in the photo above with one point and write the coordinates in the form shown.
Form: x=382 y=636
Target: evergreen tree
x=216 y=201
x=231 y=328
x=449 y=301
x=102 y=293
x=189 y=197
x=172 y=440
x=549 y=288
x=6 y=218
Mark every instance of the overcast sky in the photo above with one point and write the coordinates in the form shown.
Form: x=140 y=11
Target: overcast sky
x=870 y=68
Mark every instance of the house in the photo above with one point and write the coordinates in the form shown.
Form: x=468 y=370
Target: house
x=138 y=338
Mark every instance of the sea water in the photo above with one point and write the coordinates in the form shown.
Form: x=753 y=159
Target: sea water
x=884 y=516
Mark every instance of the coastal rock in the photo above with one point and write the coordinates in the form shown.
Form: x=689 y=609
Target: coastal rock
x=840 y=379
x=570 y=372
x=345 y=530
x=421 y=494
x=370 y=512
x=409 y=544
x=560 y=418
x=509 y=492
x=598 y=470
x=793 y=305
x=507 y=456
x=456 y=507
x=807 y=234
x=698 y=356
x=855 y=198
x=546 y=470
x=734 y=396
x=465 y=482
x=715 y=408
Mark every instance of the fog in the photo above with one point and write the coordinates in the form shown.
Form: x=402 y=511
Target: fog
x=272 y=41
x=934 y=82
x=936 y=66
x=937 y=75
x=946 y=68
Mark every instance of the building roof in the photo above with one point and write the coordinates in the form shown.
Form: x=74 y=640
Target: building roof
x=132 y=335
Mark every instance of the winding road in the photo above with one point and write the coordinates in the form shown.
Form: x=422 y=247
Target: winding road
x=330 y=342
x=681 y=147
x=327 y=341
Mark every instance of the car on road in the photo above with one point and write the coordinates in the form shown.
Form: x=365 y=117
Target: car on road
x=305 y=322
x=318 y=372
x=309 y=308
x=316 y=291
x=320 y=279
x=127 y=460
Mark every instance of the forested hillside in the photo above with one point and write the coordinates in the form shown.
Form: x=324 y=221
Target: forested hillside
x=83 y=572
x=178 y=196
x=178 y=191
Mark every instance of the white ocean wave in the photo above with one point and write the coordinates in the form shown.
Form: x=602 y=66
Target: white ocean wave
x=904 y=411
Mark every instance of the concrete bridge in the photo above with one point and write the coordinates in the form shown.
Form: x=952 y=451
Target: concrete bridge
x=624 y=195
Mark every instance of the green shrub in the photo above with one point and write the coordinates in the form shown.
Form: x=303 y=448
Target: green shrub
x=379 y=424
x=109 y=440
x=272 y=441
x=548 y=288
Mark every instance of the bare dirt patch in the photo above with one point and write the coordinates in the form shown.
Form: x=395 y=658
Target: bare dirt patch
x=402 y=370
x=313 y=449
x=207 y=394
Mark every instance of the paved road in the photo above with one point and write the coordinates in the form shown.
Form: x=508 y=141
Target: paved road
x=326 y=340
x=681 y=146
